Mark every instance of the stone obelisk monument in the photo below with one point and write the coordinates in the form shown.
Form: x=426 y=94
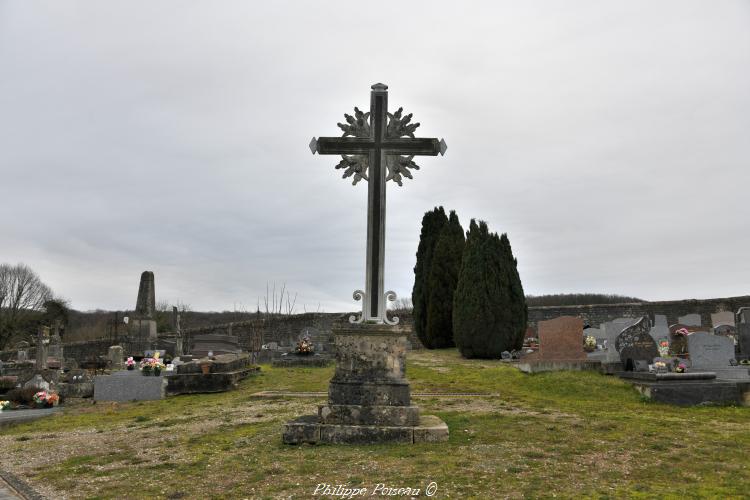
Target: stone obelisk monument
x=369 y=399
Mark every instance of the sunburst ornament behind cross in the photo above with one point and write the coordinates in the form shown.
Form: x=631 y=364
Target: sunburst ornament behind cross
x=377 y=146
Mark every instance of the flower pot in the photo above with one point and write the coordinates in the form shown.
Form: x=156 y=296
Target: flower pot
x=131 y=367
x=146 y=372
x=206 y=368
x=157 y=372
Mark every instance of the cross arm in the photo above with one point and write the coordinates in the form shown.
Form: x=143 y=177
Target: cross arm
x=342 y=145
x=410 y=146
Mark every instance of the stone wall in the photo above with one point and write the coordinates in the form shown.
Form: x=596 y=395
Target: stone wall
x=595 y=315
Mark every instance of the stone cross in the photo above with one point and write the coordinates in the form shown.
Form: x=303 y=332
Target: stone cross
x=42 y=344
x=377 y=146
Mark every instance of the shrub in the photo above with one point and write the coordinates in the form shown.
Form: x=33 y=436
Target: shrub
x=442 y=281
x=489 y=310
x=432 y=223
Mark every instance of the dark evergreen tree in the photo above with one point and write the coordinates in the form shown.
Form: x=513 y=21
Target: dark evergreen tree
x=441 y=284
x=489 y=309
x=432 y=224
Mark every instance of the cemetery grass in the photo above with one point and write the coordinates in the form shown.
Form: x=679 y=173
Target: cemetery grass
x=574 y=434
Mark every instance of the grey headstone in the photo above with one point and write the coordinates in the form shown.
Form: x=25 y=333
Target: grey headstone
x=218 y=344
x=612 y=330
x=690 y=319
x=635 y=344
x=743 y=336
x=660 y=330
x=708 y=351
x=722 y=318
x=116 y=357
x=128 y=385
x=22 y=351
x=38 y=382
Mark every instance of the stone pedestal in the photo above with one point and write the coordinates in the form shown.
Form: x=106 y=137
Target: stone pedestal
x=369 y=399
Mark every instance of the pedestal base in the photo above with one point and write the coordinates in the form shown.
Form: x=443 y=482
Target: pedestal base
x=369 y=399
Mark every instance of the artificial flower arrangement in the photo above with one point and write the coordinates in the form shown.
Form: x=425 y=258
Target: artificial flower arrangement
x=682 y=332
x=152 y=365
x=680 y=368
x=589 y=343
x=4 y=405
x=664 y=348
x=46 y=399
x=130 y=363
x=660 y=366
x=305 y=346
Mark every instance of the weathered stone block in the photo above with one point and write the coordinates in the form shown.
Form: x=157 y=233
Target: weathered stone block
x=369 y=393
x=365 y=434
x=305 y=429
x=431 y=429
x=369 y=415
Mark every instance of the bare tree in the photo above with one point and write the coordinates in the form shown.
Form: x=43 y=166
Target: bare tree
x=22 y=295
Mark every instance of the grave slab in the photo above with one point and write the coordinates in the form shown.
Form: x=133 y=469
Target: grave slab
x=126 y=385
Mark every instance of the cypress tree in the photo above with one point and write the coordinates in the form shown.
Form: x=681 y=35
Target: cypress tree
x=489 y=309
x=442 y=281
x=432 y=223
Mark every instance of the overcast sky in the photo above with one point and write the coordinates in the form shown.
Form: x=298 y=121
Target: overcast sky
x=610 y=140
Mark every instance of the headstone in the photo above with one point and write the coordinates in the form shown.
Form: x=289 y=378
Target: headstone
x=722 y=318
x=636 y=344
x=37 y=381
x=715 y=353
x=561 y=339
x=744 y=339
x=116 y=357
x=22 y=349
x=690 y=319
x=55 y=349
x=612 y=329
x=660 y=330
x=217 y=344
x=42 y=344
x=710 y=351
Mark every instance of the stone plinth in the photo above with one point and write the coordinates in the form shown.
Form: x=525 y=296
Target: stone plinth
x=369 y=399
